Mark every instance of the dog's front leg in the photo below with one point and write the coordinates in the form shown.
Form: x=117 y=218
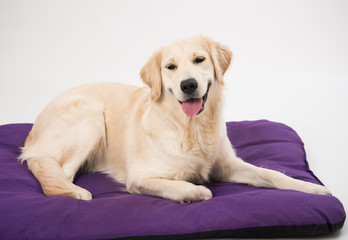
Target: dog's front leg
x=233 y=169
x=179 y=191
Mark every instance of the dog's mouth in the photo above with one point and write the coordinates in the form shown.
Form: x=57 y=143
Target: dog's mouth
x=194 y=106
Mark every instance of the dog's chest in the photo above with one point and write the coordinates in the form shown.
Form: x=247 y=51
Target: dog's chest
x=192 y=169
x=189 y=158
x=188 y=144
x=183 y=152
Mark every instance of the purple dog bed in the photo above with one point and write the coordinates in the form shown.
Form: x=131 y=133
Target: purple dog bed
x=236 y=210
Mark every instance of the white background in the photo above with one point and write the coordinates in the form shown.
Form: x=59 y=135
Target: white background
x=290 y=60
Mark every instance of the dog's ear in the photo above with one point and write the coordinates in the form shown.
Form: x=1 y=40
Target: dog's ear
x=221 y=57
x=151 y=75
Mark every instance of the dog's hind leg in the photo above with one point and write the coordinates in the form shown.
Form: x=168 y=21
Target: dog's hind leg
x=87 y=150
x=55 y=163
x=53 y=180
x=56 y=150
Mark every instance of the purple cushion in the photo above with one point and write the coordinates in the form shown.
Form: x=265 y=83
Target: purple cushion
x=235 y=210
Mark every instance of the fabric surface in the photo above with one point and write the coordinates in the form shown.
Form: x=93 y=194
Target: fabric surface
x=235 y=209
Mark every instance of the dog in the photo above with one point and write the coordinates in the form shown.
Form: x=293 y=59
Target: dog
x=165 y=139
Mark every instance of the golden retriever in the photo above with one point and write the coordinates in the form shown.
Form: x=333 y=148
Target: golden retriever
x=163 y=139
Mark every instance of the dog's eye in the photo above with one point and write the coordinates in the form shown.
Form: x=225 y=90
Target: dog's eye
x=171 y=66
x=199 y=59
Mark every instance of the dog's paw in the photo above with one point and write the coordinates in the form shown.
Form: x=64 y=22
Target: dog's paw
x=196 y=194
x=316 y=189
x=80 y=193
x=321 y=190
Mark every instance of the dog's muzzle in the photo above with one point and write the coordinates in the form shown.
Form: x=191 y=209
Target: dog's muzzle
x=193 y=106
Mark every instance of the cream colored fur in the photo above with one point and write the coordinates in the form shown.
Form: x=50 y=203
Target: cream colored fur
x=142 y=137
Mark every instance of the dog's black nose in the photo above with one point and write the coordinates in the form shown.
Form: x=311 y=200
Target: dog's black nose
x=188 y=86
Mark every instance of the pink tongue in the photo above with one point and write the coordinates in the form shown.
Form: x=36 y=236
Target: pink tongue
x=192 y=107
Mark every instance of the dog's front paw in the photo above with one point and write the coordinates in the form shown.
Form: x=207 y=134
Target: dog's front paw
x=81 y=193
x=196 y=194
x=317 y=189
x=321 y=190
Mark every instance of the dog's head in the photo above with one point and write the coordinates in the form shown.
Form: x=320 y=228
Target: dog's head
x=186 y=69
